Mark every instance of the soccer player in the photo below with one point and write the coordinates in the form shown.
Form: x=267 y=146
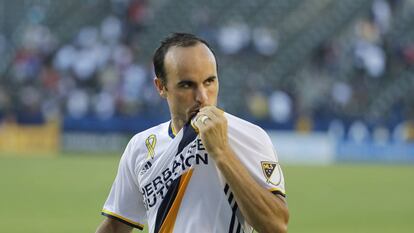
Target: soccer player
x=203 y=171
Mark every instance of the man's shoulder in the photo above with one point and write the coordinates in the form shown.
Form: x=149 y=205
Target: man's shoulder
x=155 y=130
x=138 y=145
x=244 y=134
x=241 y=124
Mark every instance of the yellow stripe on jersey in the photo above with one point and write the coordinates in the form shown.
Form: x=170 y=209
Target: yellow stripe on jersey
x=172 y=129
x=123 y=218
x=277 y=190
x=168 y=224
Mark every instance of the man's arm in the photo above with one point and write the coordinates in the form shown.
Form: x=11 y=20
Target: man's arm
x=124 y=206
x=262 y=209
x=110 y=225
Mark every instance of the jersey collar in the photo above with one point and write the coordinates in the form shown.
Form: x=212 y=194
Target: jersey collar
x=171 y=131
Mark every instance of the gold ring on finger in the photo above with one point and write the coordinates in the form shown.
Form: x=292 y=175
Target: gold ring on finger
x=204 y=118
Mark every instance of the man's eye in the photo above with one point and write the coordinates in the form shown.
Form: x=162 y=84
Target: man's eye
x=209 y=81
x=185 y=85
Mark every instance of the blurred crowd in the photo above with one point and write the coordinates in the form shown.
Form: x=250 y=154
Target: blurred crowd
x=100 y=73
x=96 y=73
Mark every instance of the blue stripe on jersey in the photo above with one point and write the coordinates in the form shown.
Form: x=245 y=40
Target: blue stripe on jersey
x=166 y=204
x=233 y=218
x=189 y=136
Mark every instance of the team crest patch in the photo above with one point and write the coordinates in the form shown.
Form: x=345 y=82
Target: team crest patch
x=269 y=169
x=151 y=142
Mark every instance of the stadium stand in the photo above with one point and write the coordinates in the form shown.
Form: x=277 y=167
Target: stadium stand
x=289 y=64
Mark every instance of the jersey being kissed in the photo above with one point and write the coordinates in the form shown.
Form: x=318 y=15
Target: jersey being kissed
x=171 y=182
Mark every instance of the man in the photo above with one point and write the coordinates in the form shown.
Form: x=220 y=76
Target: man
x=203 y=171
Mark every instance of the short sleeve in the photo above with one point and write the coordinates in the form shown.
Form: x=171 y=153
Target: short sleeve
x=270 y=171
x=255 y=150
x=125 y=201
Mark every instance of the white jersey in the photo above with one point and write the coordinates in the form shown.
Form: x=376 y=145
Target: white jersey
x=171 y=183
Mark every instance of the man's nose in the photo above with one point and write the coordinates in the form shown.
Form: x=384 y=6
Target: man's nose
x=201 y=95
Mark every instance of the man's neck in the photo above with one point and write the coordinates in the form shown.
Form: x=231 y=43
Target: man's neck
x=176 y=124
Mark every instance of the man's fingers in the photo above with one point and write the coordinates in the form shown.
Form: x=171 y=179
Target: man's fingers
x=202 y=119
x=206 y=116
x=216 y=112
x=207 y=112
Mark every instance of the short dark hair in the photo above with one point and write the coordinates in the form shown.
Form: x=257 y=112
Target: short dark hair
x=174 y=39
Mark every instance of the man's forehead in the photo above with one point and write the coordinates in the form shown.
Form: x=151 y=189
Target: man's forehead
x=186 y=60
x=178 y=54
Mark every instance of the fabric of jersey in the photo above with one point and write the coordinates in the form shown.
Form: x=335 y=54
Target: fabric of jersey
x=172 y=184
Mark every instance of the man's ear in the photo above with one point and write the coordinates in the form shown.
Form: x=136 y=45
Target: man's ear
x=161 y=88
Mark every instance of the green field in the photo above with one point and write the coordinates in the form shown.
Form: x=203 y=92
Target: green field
x=65 y=195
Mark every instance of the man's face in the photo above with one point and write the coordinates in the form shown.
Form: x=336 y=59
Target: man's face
x=192 y=81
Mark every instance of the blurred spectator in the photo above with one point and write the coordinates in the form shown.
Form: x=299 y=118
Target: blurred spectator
x=408 y=52
x=304 y=124
x=38 y=38
x=404 y=132
x=382 y=15
x=109 y=78
x=336 y=129
x=280 y=106
x=111 y=30
x=65 y=57
x=371 y=57
x=78 y=103
x=84 y=66
x=122 y=56
x=50 y=79
x=341 y=93
x=410 y=131
x=358 y=132
x=381 y=135
x=264 y=41
x=233 y=37
x=104 y=105
x=257 y=104
x=132 y=89
x=137 y=13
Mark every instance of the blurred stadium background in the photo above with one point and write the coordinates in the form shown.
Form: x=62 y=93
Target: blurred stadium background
x=331 y=81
